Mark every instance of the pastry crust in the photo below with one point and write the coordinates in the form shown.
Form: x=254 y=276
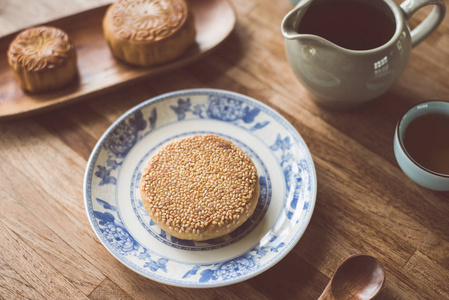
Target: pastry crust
x=149 y=32
x=200 y=187
x=43 y=59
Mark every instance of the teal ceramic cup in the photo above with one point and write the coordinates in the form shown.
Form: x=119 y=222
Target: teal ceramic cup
x=413 y=169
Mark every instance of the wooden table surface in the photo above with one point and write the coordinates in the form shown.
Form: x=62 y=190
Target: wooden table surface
x=365 y=203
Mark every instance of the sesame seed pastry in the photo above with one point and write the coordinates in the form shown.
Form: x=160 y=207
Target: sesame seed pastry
x=200 y=187
x=42 y=59
x=149 y=32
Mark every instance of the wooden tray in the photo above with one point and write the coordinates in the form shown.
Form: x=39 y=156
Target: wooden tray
x=99 y=70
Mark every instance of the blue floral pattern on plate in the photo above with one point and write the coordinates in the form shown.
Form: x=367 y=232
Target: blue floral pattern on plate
x=120 y=142
x=280 y=155
x=118 y=237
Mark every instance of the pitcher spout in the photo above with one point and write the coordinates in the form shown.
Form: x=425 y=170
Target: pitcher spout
x=291 y=21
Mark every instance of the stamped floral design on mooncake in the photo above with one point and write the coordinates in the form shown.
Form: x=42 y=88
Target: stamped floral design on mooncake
x=39 y=48
x=148 y=20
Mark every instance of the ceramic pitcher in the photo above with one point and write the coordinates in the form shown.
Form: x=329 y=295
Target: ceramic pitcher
x=341 y=78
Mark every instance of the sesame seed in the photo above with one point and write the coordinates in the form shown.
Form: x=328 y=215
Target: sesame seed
x=197 y=182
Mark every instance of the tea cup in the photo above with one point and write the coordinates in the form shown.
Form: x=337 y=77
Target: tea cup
x=414 y=169
x=342 y=78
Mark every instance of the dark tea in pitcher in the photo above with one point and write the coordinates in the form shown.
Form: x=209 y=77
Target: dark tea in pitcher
x=351 y=24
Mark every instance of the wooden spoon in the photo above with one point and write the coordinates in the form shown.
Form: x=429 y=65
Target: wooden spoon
x=360 y=276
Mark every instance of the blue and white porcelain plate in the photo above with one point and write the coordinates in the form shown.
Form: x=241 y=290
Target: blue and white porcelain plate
x=286 y=175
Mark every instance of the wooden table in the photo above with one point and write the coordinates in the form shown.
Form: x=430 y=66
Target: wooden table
x=365 y=203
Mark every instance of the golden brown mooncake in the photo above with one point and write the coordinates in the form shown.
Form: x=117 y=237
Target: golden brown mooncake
x=42 y=59
x=200 y=187
x=149 y=32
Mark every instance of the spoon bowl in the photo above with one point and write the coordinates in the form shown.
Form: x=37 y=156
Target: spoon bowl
x=359 y=277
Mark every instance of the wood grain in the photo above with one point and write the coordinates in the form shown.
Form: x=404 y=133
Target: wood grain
x=50 y=246
x=107 y=289
x=13 y=285
x=45 y=279
x=365 y=204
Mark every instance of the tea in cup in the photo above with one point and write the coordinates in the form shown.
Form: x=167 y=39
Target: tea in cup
x=421 y=144
x=348 y=52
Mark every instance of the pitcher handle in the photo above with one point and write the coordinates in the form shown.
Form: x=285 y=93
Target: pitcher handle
x=426 y=27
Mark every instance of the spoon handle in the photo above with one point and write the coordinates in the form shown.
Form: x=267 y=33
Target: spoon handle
x=327 y=295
